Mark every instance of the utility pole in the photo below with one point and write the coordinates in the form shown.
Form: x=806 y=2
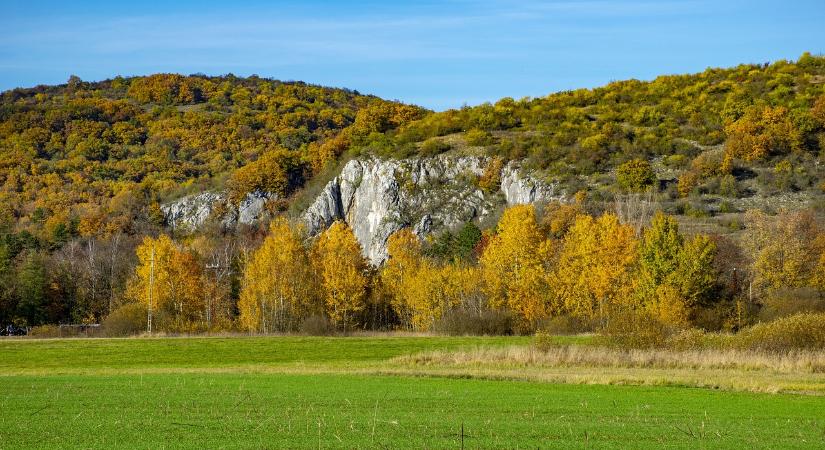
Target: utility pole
x=215 y=267
x=151 y=289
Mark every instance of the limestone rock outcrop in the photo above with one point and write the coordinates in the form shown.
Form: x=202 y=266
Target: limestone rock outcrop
x=378 y=197
x=192 y=211
x=519 y=188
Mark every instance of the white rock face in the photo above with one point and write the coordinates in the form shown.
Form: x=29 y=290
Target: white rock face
x=251 y=209
x=377 y=198
x=521 y=189
x=190 y=212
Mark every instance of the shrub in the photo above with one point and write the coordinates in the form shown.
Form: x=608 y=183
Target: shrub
x=544 y=341
x=565 y=325
x=491 y=178
x=433 y=146
x=635 y=175
x=127 y=320
x=783 y=175
x=687 y=183
x=696 y=211
x=479 y=138
x=696 y=339
x=733 y=224
x=461 y=322
x=676 y=161
x=58 y=331
x=633 y=329
x=800 y=331
x=692 y=339
x=726 y=207
x=790 y=301
x=708 y=164
x=317 y=326
x=45 y=331
x=728 y=187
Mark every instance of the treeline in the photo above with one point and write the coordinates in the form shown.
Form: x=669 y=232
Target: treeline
x=557 y=268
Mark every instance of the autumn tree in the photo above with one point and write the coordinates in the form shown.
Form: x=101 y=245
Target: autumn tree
x=761 y=133
x=278 y=287
x=675 y=275
x=785 y=250
x=339 y=265
x=513 y=266
x=818 y=279
x=425 y=296
x=461 y=289
x=559 y=217
x=277 y=171
x=168 y=279
x=222 y=262
x=490 y=180
x=594 y=270
x=400 y=270
x=818 y=111
x=635 y=175
x=421 y=290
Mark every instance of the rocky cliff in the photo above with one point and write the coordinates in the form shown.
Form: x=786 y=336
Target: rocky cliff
x=520 y=188
x=190 y=212
x=378 y=197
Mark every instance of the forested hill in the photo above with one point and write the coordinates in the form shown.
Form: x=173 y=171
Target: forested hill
x=100 y=157
x=85 y=168
x=97 y=158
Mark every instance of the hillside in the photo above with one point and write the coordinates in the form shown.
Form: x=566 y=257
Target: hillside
x=90 y=158
x=88 y=170
x=752 y=130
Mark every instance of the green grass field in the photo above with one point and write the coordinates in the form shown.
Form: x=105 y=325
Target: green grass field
x=291 y=392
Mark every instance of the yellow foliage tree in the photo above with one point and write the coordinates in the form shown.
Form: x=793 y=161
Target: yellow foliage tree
x=425 y=296
x=761 y=133
x=559 y=217
x=276 y=171
x=171 y=279
x=461 y=288
x=400 y=270
x=513 y=266
x=819 y=271
x=422 y=292
x=278 y=285
x=594 y=267
x=784 y=249
x=340 y=267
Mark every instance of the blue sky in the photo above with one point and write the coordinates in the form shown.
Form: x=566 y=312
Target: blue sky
x=436 y=54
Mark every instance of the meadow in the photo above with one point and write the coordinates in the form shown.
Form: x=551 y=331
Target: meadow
x=398 y=392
